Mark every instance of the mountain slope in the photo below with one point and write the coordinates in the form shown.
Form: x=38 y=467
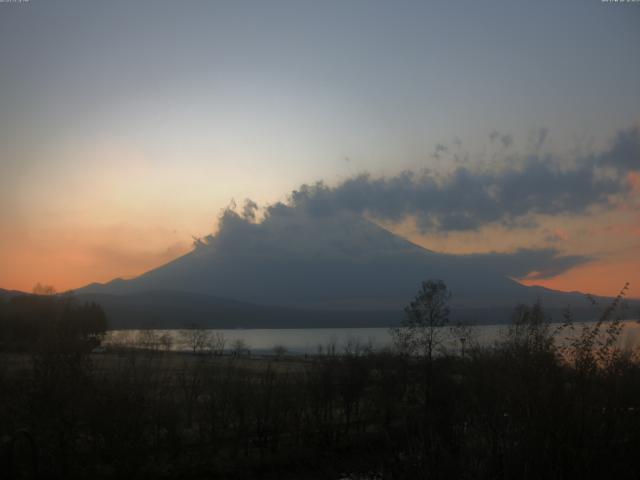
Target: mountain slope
x=10 y=293
x=343 y=263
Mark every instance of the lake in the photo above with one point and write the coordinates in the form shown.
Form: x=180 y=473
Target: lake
x=312 y=340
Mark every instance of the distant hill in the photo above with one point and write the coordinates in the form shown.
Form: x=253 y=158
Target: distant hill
x=163 y=309
x=166 y=309
x=10 y=293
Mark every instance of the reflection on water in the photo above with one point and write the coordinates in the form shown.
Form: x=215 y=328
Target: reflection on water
x=311 y=340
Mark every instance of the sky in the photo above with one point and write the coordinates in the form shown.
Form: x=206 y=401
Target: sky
x=126 y=128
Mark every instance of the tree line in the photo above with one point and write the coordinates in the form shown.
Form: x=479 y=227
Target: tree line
x=525 y=407
x=49 y=321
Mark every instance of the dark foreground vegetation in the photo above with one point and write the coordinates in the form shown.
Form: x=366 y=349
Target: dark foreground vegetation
x=524 y=408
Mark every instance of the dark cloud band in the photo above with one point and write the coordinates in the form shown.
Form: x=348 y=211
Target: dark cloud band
x=466 y=199
x=321 y=224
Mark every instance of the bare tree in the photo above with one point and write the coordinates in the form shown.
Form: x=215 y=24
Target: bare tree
x=420 y=333
x=43 y=289
x=530 y=328
x=239 y=347
x=166 y=341
x=197 y=339
x=217 y=342
x=279 y=351
x=148 y=339
x=355 y=347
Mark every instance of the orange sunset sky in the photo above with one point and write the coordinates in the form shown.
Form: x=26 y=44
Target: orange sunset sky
x=127 y=128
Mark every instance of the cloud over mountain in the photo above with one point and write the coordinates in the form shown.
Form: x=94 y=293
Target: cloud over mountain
x=326 y=222
x=289 y=233
x=468 y=197
x=322 y=248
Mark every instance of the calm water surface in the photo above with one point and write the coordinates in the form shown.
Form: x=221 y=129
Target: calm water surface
x=311 y=340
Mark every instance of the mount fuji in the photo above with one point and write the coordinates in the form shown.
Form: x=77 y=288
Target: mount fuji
x=297 y=270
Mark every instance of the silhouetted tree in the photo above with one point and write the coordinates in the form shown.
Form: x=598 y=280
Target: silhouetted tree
x=420 y=333
x=530 y=328
x=43 y=289
x=196 y=338
x=279 y=351
x=239 y=347
x=217 y=342
x=52 y=322
x=166 y=341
